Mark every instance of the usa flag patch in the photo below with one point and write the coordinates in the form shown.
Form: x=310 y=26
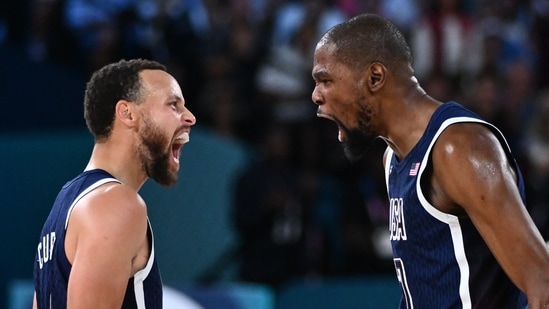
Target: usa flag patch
x=414 y=169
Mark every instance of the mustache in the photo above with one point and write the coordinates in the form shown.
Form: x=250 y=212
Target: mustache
x=322 y=114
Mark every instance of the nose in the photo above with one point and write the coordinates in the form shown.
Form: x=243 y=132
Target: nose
x=188 y=118
x=316 y=97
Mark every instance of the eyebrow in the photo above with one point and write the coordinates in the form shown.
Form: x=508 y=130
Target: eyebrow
x=320 y=73
x=175 y=97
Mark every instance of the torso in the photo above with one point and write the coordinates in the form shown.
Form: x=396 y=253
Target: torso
x=54 y=261
x=440 y=258
x=139 y=261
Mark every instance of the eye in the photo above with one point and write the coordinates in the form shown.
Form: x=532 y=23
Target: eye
x=174 y=105
x=322 y=82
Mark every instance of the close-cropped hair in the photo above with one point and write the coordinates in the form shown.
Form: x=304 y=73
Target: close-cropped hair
x=113 y=82
x=369 y=38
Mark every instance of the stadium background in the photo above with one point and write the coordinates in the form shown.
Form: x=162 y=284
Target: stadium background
x=244 y=67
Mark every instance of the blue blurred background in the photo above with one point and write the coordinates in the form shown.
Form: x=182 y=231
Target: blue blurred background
x=265 y=195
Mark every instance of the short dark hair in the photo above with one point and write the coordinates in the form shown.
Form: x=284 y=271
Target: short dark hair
x=113 y=82
x=369 y=38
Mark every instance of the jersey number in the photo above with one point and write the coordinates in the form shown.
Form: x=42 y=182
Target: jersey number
x=401 y=275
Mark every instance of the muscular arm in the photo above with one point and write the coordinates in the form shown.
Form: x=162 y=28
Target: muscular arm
x=472 y=171
x=106 y=230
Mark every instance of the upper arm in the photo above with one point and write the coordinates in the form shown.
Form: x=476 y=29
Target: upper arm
x=473 y=171
x=108 y=226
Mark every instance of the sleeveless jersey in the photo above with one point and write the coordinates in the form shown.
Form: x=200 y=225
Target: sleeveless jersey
x=52 y=268
x=440 y=259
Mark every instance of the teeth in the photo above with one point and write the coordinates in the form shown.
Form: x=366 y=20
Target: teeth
x=184 y=137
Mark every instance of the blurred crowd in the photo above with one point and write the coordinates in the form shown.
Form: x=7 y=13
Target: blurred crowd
x=300 y=209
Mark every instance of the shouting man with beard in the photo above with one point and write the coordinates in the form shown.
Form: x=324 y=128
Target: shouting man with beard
x=96 y=248
x=460 y=232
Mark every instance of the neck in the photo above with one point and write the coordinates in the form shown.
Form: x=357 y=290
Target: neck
x=118 y=161
x=412 y=112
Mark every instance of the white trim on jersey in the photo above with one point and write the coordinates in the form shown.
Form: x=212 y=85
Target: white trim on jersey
x=451 y=220
x=86 y=191
x=389 y=153
x=141 y=275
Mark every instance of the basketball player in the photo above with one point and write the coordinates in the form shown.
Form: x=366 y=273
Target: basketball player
x=96 y=249
x=460 y=233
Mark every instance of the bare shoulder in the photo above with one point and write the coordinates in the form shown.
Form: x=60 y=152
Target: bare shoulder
x=471 y=166
x=467 y=138
x=114 y=208
x=470 y=147
x=114 y=199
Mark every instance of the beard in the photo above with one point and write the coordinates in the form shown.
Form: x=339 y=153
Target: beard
x=155 y=154
x=359 y=140
x=357 y=144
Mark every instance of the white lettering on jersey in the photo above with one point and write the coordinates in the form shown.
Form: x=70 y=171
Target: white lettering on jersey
x=45 y=249
x=396 y=220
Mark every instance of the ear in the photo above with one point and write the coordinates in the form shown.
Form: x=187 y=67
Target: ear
x=125 y=112
x=377 y=74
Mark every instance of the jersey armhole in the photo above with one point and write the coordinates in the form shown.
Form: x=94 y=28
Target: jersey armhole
x=86 y=191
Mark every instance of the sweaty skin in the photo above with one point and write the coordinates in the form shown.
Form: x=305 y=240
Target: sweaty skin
x=470 y=173
x=473 y=161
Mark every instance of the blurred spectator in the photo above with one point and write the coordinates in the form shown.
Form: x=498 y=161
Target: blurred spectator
x=441 y=87
x=365 y=226
x=540 y=30
x=290 y=16
x=284 y=79
x=442 y=40
x=228 y=56
x=506 y=26
x=273 y=216
x=245 y=64
x=536 y=139
x=518 y=95
x=354 y=7
x=106 y=31
x=484 y=98
x=221 y=96
x=404 y=13
x=45 y=14
x=98 y=27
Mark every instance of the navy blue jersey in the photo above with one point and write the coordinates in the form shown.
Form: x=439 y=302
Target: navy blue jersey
x=440 y=259
x=52 y=268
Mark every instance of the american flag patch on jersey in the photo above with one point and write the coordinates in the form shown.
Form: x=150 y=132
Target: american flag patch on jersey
x=414 y=169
